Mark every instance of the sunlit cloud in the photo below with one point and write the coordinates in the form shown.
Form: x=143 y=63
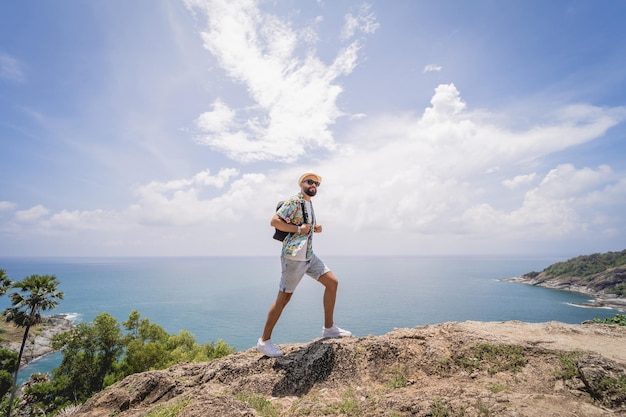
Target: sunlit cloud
x=433 y=178
x=426 y=176
x=294 y=96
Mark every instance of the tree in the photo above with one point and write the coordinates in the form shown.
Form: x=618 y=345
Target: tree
x=8 y=364
x=148 y=346
x=8 y=359
x=90 y=353
x=5 y=282
x=98 y=354
x=35 y=294
x=145 y=346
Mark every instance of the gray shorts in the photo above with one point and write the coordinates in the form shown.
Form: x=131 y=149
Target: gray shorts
x=293 y=271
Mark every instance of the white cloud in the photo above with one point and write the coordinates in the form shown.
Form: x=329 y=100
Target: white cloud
x=433 y=68
x=364 y=21
x=32 y=214
x=220 y=119
x=369 y=24
x=446 y=103
x=436 y=181
x=6 y=206
x=402 y=184
x=519 y=180
x=358 y=116
x=426 y=176
x=98 y=219
x=350 y=26
x=295 y=97
x=566 y=181
x=557 y=206
x=180 y=202
x=200 y=180
x=10 y=68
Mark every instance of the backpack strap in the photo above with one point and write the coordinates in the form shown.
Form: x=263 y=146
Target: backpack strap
x=303 y=210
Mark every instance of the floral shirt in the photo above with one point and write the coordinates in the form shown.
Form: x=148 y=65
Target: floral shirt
x=291 y=212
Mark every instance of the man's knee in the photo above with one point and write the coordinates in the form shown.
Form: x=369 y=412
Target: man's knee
x=283 y=298
x=329 y=280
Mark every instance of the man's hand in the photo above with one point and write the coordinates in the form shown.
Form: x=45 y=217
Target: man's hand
x=318 y=228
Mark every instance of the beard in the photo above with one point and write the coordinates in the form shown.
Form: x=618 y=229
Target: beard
x=310 y=191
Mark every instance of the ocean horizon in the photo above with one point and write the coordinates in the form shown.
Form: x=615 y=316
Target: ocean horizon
x=227 y=298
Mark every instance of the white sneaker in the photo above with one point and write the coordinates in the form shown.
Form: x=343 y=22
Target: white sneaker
x=268 y=348
x=335 y=332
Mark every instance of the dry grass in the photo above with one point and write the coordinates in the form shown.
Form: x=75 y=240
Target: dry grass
x=10 y=332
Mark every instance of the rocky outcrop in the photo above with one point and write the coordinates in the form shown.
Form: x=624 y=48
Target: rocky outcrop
x=601 y=286
x=39 y=341
x=453 y=369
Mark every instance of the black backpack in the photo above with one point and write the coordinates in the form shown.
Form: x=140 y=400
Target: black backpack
x=279 y=234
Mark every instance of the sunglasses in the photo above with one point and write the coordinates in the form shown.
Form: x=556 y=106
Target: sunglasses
x=312 y=182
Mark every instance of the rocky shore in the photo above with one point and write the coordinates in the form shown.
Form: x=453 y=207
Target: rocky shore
x=40 y=337
x=598 y=300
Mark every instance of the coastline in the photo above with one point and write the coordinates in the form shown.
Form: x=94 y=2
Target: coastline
x=40 y=343
x=598 y=300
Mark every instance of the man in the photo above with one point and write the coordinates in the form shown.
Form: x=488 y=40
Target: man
x=296 y=216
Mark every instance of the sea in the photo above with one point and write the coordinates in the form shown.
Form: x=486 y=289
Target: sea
x=227 y=298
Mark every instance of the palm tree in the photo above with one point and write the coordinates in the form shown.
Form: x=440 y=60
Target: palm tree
x=5 y=282
x=35 y=294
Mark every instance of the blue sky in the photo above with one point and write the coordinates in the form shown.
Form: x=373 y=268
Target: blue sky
x=153 y=127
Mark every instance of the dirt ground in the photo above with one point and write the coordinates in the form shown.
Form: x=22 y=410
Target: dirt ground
x=555 y=335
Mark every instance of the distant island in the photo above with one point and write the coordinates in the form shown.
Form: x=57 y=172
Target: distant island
x=600 y=275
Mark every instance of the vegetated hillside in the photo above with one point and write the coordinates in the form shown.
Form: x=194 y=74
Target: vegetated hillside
x=598 y=273
x=466 y=369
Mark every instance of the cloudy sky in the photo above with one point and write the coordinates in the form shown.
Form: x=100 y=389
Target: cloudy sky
x=165 y=127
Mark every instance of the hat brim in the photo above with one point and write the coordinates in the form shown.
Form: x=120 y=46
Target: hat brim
x=309 y=174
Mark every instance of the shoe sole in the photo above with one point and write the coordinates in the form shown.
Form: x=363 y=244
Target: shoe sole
x=277 y=355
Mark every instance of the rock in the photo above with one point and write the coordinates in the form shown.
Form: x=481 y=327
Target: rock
x=40 y=338
x=470 y=368
x=604 y=379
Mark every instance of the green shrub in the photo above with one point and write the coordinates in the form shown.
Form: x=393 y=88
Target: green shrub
x=493 y=358
x=620 y=289
x=169 y=410
x=613 y=391
x=569 y=369
x=617 y=320
x=438 y=409
x=261 y=404
x=398 y=378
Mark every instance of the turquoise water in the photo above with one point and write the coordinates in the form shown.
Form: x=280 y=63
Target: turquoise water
x=228 y=297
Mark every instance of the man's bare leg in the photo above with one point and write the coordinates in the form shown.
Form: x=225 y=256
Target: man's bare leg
x=274 y=314
x=330 y=282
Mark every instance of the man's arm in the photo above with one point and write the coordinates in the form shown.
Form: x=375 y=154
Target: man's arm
x=278 y=223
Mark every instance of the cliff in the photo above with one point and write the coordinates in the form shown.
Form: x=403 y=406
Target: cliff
x=450 y=369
